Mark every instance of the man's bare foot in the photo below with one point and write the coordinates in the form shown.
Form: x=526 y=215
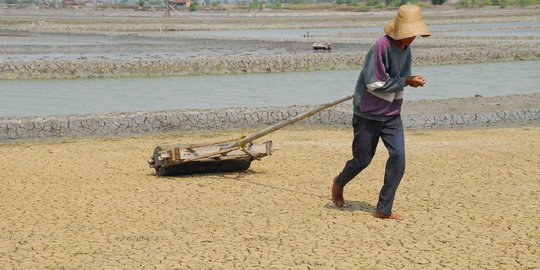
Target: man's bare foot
x=391 y=216
x=337 y=194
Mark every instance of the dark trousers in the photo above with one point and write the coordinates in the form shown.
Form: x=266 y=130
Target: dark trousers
x=366 y=137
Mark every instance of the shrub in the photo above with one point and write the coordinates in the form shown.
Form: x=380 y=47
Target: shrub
x=392 y=3
x=276 y=5
x=256 y=4
x=193 y=5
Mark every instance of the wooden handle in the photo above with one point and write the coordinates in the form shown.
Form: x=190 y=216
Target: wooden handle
x=293 y=120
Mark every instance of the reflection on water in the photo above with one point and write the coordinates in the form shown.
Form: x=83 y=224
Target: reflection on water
x=81 y=96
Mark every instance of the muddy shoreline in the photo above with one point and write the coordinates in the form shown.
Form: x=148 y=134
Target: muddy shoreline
x=473 y=112
x=99 y=68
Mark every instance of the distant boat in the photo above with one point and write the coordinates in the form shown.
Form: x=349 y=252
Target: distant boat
x=322 y=46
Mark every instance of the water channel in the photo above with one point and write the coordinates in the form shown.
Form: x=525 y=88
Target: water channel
x=83 y=96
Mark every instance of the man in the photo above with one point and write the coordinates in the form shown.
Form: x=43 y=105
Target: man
x=377 y=105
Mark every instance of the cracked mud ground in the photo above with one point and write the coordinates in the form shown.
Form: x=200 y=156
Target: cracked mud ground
x=470 y=198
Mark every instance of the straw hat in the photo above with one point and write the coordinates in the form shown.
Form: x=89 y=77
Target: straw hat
x=408 y=23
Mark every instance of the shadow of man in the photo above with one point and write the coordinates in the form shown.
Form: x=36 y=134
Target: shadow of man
x=353 y=206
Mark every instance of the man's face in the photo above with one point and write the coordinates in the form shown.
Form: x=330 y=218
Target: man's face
x=407 y=41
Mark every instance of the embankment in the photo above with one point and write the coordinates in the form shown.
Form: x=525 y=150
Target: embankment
x=150 y=66
x=446 y=113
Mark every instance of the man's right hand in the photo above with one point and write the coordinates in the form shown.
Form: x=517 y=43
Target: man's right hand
x=415 y=81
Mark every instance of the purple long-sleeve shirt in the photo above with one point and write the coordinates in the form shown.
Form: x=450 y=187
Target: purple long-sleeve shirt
x=379 y=89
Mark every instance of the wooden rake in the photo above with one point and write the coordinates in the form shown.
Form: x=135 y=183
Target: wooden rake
x=223 y=156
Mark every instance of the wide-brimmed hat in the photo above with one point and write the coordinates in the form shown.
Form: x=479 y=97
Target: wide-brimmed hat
x=408 y=23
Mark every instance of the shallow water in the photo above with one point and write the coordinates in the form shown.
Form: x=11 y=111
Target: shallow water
x=15 y=45
x=82 y=96
x=484 y=29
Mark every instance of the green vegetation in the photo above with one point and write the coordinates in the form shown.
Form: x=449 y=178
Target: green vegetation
x=194 y=5
x=256 y=4
x=276 y=5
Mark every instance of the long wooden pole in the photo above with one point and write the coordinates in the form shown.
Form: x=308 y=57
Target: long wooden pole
x=291 y=121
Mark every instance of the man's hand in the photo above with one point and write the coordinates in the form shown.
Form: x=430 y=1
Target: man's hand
x=415 y=81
